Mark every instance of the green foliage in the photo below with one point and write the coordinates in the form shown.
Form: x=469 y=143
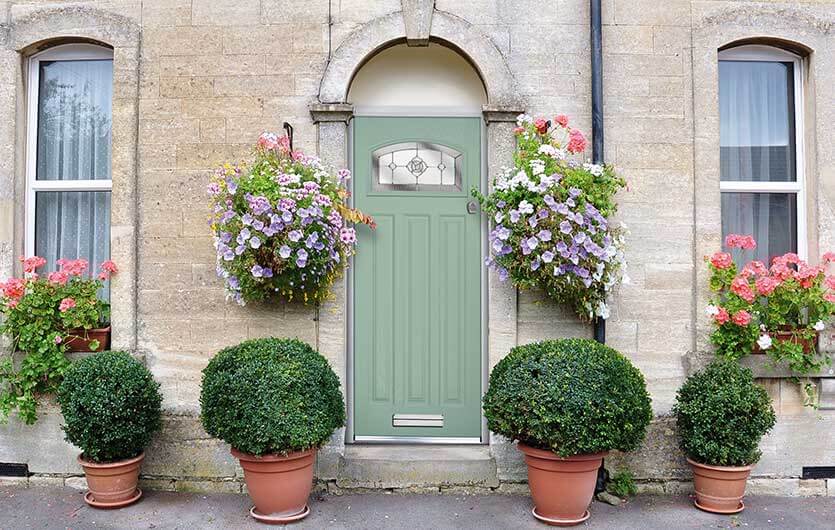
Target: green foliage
x=622 y=484
x=722 y=414
x=111 y=406
x=272 y=395
x=570 y=396
x=37 y=327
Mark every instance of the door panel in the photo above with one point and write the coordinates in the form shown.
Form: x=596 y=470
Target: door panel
x=417 y=287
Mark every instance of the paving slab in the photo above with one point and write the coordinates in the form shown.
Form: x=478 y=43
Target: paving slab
x=63 y=508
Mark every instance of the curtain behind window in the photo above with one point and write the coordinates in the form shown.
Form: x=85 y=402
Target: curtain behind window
x=74 y=139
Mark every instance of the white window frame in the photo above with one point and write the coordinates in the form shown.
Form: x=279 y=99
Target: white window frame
x=64 y=52
x=756 y=52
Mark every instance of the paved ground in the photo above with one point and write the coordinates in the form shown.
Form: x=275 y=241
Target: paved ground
x=45 y=508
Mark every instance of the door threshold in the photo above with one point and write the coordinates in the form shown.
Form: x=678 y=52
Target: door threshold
x=428 y=440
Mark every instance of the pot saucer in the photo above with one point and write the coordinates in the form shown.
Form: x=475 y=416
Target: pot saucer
x=560 y=522
x=88 y=498
x=721 y=512
x=278 y=519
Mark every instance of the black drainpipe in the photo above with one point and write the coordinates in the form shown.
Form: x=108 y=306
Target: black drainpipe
x=597 y=154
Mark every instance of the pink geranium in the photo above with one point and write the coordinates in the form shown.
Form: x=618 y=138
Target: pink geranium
x=739 y=241
x=73 y=267
x=32 y=263
x=58 y=277
x=742 y=288
x=721 y=260
x=14 y=289
x=766 y=285
x=721 y=316
x=66 y=305
x=742 y=318
x=755 y=268
x=561 y=120
x=576 y=142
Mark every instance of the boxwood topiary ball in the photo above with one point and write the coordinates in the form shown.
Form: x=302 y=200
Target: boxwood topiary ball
x=722 y=414
x=569 y=396
x=268 y=396
x=111 y=406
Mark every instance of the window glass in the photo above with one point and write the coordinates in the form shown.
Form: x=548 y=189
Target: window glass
x=74 y=120
x=770 y=217
x=72 y=224
x=756 y=109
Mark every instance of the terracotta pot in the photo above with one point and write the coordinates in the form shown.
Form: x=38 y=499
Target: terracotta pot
x=719 y=489
x=562 y=488
x=112 y=485
x=279 y=485
x=79 y=340
x=787 y=333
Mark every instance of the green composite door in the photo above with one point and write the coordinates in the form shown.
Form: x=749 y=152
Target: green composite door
x=417 y=300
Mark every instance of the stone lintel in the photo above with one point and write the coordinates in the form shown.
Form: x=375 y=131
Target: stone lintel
x=331 y=112
x=500 y=113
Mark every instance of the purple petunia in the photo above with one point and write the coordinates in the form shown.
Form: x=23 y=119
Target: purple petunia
x=284 y=251
x=565 y=227
x=294 y=235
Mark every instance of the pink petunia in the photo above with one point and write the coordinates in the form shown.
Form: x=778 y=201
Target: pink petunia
x=541 y=125
x=518 y=130
x=742 y=318
x=66 y=305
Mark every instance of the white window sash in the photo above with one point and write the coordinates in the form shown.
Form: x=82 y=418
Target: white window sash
x=66 y=52
x=771 y=54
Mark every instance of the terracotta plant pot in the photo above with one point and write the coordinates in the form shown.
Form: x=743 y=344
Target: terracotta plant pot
x=279 y=485
x=78 y=340
x=719 y=489
x=112 y=485
x=786 y=333
x=562 y=488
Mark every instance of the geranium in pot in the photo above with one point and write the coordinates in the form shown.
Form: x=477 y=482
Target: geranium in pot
x=722 y=414
x=275 y=401
x=112 y=408
x=47 y=315
x=778 y=310
x=568 y=402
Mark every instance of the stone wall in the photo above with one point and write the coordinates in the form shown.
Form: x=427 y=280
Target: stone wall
x=198 y=80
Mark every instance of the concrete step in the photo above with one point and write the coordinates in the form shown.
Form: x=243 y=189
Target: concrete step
x=404 y=466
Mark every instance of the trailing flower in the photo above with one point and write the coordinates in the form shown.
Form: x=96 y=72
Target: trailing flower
x=778 y=309
x=43 y=313
x=551 y=216
x=282 y=226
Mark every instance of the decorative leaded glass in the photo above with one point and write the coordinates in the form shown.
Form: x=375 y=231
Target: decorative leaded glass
x=417 y=166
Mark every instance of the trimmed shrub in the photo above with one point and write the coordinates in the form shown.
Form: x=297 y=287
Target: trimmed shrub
x=267 y=396
x=722 y=414
x=111 y=406
x=569 y=396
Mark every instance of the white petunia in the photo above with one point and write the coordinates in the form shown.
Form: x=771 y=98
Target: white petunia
x=603 y=311
x=525 y=207
x=711 y=310
x=764 y=342
x=594 y=169
x=819 y=325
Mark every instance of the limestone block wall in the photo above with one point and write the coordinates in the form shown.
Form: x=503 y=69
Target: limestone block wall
x=198 y=80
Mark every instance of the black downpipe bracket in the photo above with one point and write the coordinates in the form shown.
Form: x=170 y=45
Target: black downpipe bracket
x=596 y=27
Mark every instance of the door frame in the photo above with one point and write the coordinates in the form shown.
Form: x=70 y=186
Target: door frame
x=418 y=112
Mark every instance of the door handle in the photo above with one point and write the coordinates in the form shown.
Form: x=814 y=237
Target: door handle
x=472 y=207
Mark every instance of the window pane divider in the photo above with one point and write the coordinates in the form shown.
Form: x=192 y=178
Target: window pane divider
x=760 y=187
x=72 y=185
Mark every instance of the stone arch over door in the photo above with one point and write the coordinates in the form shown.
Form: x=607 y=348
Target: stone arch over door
x=445 y=29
